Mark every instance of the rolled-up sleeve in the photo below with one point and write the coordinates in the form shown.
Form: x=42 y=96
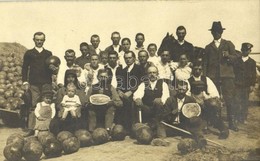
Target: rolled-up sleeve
x=165 y=93
x=53 y=110
x=139 y=93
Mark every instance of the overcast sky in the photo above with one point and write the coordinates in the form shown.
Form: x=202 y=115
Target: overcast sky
x=67 y=24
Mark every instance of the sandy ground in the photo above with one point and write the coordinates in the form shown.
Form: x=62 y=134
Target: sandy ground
x=127 y=150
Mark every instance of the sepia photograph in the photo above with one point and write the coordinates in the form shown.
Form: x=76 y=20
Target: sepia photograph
x=132 y=80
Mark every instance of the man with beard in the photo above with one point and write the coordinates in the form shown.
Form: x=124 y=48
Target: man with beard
x=35 y=73
x=173 y=114
x=115 y=37
x=150 y=97
x=219 y=59
x=95 y=112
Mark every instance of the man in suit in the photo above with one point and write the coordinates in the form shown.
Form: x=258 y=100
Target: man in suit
x=86 y=53
x=245 y=78
x=218 y=66
x=172 y=114
x=115 y=37
x=128 y=81
x=35 y=72
x=143 y=57
x=181 y=46
x=95 y=40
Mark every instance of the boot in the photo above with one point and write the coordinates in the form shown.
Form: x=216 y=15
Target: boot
x=232 y=124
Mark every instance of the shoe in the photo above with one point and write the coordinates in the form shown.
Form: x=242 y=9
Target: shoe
x=232 y=124
x=223 y=134
x=29 y=133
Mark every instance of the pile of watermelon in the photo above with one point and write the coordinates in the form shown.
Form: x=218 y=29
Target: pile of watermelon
x=11 y=90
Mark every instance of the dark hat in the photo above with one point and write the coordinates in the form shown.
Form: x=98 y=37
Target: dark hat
x=216 y=26
x=70 y=71
x=246 y=46
x=47 y=90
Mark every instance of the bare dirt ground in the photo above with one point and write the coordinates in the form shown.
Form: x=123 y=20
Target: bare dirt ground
x=239 y=143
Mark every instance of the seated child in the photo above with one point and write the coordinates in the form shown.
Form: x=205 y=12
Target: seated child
x=44 y=111
x=70 y=103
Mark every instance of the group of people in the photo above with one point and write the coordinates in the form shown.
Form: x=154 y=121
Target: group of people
x=147 y=85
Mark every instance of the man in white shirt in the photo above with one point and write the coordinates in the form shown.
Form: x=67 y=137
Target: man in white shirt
x=151 y=95
x=126 y=44
x=69 y=58
x=204 y=91
x=166 y=67
x=113 y=67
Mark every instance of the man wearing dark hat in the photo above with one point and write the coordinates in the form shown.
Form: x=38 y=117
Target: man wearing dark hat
x=245 y=74
x=220 y=56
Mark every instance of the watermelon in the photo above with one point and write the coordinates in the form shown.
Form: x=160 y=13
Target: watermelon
x=52 y=148
x=144 y=135
x=13 y=152
x=100 y=136
x=16 y=138
x=118 y=133
x=43 y=137
x=84 y=137
x=63 y=135
x=136 y=127
x=32 y=151
x=71 y=145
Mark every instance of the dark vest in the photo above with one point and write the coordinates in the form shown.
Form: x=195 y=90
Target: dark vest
x=96 y=89
x=197 y=88
x=149 y=94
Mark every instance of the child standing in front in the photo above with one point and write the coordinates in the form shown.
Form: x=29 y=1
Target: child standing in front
x=71 y=103
x=44 y=111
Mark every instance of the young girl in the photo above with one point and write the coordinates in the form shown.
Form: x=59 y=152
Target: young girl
x=183 y=71
x=70 y=103
x=44 y=111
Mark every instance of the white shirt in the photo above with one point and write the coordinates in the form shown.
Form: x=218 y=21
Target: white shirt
x=114 y=81
x=116 y=48
x=154 y=59
x=121 y=60
x=39 y=49
x=180 y=104
x=98 y=50
x=181 y=42
x=217 y=42
x=211 y=89
x=71 y=101
x=165 y=70
x=183 y=73
x=94 y=72
x=61 y=73
x=245 y=58
x=139 y=93
x=130 y=68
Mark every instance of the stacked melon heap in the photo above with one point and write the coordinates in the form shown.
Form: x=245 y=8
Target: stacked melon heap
x=10 y=75
x=32 y=148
